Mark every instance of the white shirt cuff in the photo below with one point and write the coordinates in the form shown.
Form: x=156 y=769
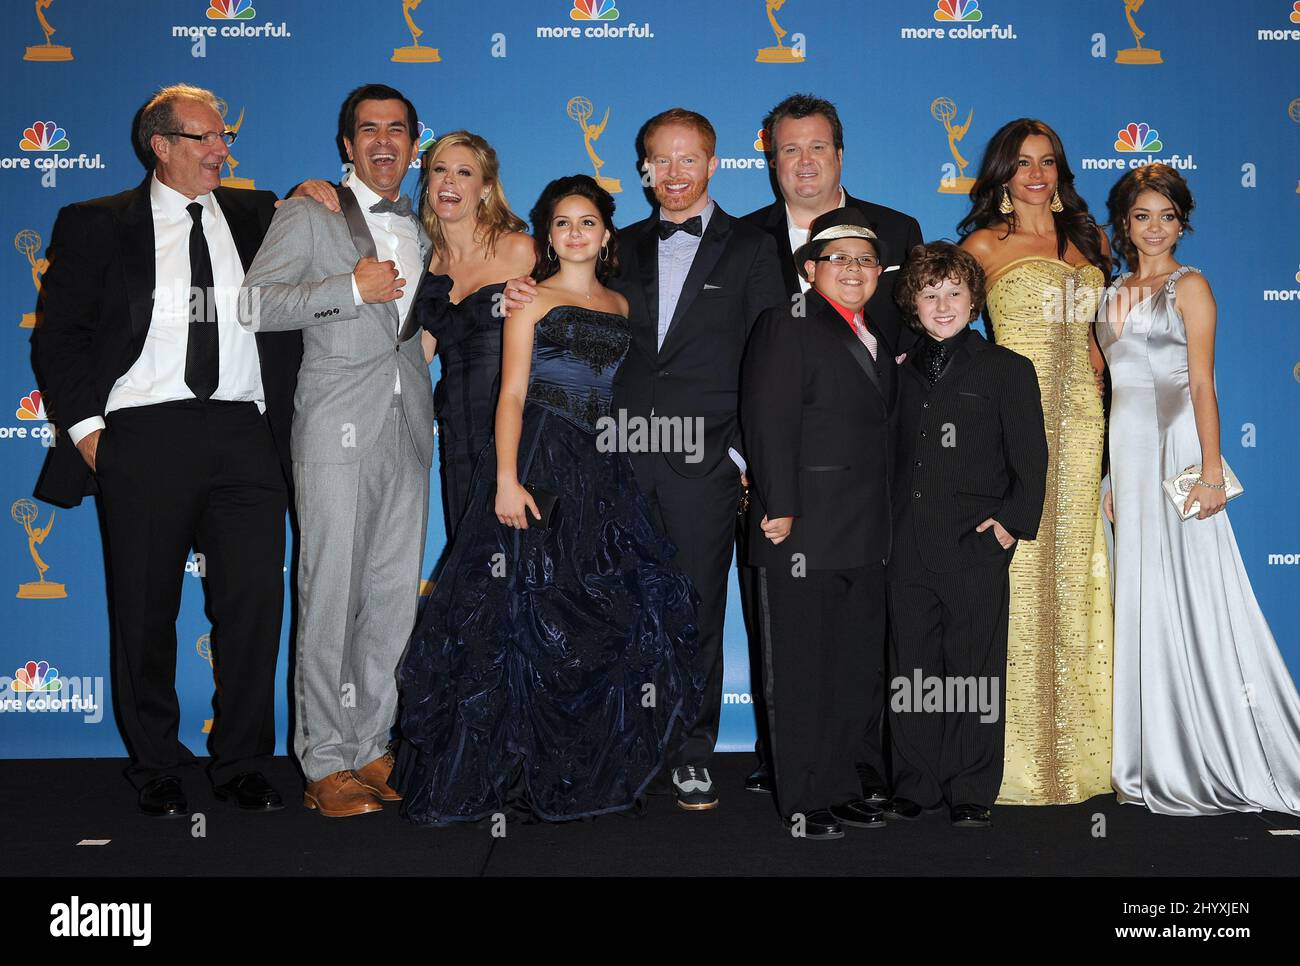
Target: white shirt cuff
x=737 y=459
x=84 y=428
x=356 y=292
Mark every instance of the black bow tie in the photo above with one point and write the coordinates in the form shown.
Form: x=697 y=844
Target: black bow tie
x=936 y=357
x=692 y=226
x=402 y=206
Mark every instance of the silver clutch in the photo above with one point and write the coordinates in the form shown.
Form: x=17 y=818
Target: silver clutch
x=1178 y=486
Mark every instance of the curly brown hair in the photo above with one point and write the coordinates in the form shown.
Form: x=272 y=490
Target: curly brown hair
x=1156 y=177
x=932 y=264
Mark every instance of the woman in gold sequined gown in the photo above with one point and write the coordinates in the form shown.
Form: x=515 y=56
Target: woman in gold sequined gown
x=1047 y=263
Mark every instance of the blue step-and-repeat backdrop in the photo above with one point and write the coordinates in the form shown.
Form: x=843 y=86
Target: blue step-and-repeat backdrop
x=1212 y=88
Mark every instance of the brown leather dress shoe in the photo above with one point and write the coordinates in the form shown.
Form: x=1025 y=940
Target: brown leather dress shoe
x=340 y=795
x=374 y=778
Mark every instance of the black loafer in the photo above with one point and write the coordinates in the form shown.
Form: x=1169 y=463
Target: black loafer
x=759 y=780
x=874 y=788
x=819 y=824
x=901 y=810
x=250 y=791
x=971 y=816
x=164 y=798
x=859 y=814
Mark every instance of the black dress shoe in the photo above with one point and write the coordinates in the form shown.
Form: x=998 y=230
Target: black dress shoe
x=819 y=824
x=759 y=780
x=251 y=791
x=164 y=798
x=971 y=816
x=859 y=814
x=874 y=788
x=901 y=810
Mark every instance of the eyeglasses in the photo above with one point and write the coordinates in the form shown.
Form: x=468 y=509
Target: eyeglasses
x=208 y=140
x=844 y=260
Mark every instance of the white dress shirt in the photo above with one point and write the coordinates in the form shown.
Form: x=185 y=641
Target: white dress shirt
x=158 y=375
x=397 y=240
x=799 y=238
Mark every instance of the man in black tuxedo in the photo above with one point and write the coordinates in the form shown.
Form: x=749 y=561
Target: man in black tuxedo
x=817 y=401
x=179 y=421
x=970 y=479
x=806 y=151
x=695 y=279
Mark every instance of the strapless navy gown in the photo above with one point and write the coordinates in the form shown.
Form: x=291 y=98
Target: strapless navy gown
x=465 y=399
x=550 y=667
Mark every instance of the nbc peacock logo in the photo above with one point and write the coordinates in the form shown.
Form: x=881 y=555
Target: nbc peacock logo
x=1284 y=294
x=1138 y=137
x=424 y=140
x=44 y=136
x=31 y=407
x=957 y=19
x=1282 y=31
x=599 y=16
x=231 y=10
x=37 y=676
x=594 y=10
x=1136 y=144
x=963 y=11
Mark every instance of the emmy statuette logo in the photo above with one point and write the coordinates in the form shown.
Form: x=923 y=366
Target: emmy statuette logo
x=413 y=53
x=780 y=54
x=48 y=52
x=230 y=181
x=580 y=110
x=203 y=647
x=25 y=513
x=955 y=181
x=29 y=243
x=1138 y=54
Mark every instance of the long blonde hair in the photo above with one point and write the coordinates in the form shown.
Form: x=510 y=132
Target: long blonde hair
x=494 y=215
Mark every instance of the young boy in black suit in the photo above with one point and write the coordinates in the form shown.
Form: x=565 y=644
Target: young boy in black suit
x=969 y=482
x=817 y=396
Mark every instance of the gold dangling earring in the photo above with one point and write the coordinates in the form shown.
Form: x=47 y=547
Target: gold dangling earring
x=1005 y=206
x=1057 y=205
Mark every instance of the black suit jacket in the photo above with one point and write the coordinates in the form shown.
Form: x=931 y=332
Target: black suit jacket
x=98 y=296
x=971 y=448
x=817 y=414
x=898 y=231
x=733 y=278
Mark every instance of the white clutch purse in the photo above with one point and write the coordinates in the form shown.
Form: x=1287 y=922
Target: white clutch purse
x=1178 y=486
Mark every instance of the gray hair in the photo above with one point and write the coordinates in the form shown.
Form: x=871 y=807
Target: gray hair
x=159 y=115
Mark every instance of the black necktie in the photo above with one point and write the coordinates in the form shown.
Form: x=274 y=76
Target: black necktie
x=402 y=206
x=692 y=226
x=936 y=357
x=202 y=368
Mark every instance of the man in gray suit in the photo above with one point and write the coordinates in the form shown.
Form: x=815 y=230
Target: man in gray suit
x=361 y=444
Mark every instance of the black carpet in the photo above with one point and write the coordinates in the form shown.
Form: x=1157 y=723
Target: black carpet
x=51 y=806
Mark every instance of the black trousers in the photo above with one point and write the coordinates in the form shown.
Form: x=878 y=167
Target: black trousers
x=948 y=635
x=821 y=634
x=203 y=475
x=699 y=516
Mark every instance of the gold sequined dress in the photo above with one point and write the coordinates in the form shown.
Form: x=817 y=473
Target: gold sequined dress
x=1058 y=704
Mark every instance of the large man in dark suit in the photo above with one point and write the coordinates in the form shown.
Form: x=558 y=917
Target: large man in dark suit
x=179 y=420
x=695 y=280
x=817 y=406
x=806 y=152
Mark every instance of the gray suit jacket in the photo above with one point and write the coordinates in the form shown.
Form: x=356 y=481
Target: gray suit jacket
x=302 y=279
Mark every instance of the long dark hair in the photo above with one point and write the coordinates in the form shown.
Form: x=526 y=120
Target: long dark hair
x=1073 y=225
x=583 y=186
x=1159 y=178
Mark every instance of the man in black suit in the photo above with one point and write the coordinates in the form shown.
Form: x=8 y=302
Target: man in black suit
x=971 y=474
x=179 y=420
x=806 y=152
x=817 y=404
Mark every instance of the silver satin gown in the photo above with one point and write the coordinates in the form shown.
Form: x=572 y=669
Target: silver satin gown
x=1207 y=719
